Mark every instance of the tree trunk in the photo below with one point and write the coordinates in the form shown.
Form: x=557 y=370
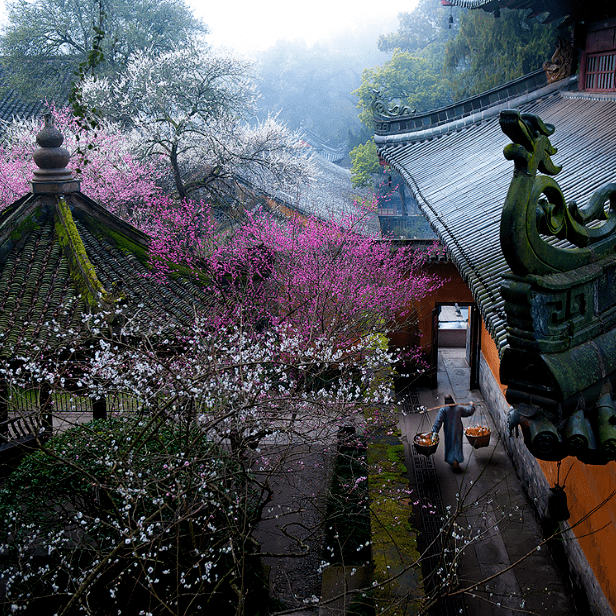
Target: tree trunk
x=177 y=176
x=46 y=409
x=4 y=408
x=99 y=408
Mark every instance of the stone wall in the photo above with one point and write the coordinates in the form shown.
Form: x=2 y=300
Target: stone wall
x=536 y=486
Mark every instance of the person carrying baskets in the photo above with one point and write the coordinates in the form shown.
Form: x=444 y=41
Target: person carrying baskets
x=450 y=417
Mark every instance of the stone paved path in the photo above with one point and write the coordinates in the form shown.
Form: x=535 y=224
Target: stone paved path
x=496 y=506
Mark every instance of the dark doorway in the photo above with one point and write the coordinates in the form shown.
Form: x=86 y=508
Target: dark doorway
x=456 y=324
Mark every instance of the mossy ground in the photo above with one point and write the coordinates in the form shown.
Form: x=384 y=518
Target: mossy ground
x=394 y=543
x=383 y=524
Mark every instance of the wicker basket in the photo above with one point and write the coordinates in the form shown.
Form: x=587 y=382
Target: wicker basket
x=479 y=441
x=426 y=450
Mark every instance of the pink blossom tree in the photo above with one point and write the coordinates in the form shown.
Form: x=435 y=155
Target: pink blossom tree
x=288 y=347
x=316 y=278
x=103 y=160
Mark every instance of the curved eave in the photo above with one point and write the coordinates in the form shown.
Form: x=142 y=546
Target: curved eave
x=553 y=10
x=462 y=120
x=461 y=178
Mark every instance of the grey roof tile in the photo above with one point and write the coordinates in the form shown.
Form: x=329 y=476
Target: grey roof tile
x=38 y=286
x=461 y=181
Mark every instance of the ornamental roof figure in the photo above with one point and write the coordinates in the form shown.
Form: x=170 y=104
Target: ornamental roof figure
x=52 y=176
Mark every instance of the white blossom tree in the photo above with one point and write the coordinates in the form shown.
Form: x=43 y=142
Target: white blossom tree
x=192 y=108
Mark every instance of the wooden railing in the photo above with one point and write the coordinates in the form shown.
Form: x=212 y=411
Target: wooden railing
x=21 y=428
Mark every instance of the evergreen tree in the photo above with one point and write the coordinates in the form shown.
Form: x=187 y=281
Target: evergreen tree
x=405 y=79
x=365 y=163
x=45 y=41
x=428 y=25
x=487 y=52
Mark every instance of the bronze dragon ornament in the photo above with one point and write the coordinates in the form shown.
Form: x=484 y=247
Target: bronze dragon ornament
x=536 y=215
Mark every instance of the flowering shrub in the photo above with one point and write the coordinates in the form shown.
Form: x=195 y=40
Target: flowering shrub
x=313 y=278
x=140 y=513
x=181 y=488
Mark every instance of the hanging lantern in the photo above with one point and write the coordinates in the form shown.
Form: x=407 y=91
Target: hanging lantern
x=557 y=510
x=450 y=21
x=496 y=13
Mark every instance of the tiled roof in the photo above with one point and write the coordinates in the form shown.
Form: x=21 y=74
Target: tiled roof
x=460 y=179
x=462 y=113
x=327 y=195
x=13 y=106
x=41 y=282
x=333 y=154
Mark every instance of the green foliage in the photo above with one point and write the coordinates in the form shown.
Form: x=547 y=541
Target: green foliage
x=45 y=41
x=412 y=81
x=487 y=52
x=413 y=76
x=433 y=64
x=90 y=458
x=365 y=162
x=426 y=26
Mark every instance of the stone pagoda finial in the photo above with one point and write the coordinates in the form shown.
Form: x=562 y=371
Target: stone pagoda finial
x=52 y=176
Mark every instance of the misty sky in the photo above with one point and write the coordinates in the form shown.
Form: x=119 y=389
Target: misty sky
x=255 y=25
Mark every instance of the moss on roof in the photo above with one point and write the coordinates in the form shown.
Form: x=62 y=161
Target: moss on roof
x=65 y=256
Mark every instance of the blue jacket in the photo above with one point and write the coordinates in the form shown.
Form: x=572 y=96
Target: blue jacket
x=450 y=417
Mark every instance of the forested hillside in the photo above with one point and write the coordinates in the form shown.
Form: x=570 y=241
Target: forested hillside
x=444 y=54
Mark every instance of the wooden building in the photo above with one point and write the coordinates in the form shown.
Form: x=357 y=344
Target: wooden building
x=64 y=256
x=518 y=183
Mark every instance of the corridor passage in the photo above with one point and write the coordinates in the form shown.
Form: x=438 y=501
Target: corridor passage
x=492 y=503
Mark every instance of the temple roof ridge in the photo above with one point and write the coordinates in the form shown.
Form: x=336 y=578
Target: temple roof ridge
x=474 y=110
x=568 y=12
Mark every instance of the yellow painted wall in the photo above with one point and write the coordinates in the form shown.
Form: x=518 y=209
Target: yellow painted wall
x=586 y=488
x=490 y=353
